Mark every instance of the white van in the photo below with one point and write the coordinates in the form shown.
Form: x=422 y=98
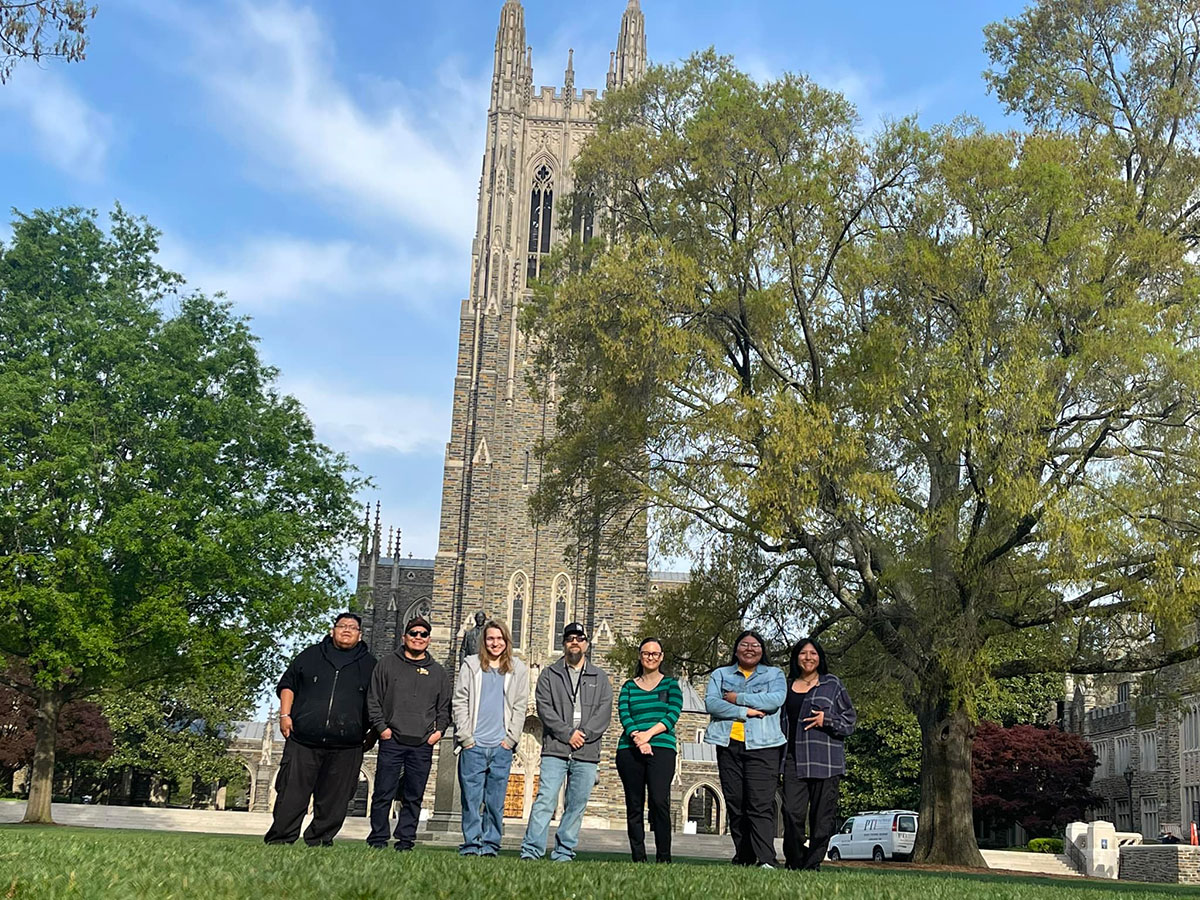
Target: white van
x=877 y=834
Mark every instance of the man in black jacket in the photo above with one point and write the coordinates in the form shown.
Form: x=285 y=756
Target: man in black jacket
x=323 y=716
x=409 y=706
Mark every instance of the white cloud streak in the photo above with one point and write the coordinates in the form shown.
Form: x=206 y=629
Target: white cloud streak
x=370 y=421
x=274 y=88
x=277 y=274
x=62 y=127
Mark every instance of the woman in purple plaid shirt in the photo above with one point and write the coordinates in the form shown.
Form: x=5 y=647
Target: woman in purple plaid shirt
x=817 y=718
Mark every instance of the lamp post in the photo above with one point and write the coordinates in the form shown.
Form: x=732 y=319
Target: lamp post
x=1128 y=773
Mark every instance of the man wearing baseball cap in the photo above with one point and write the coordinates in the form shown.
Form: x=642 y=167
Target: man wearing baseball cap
x=409 y=706
x=574 y=702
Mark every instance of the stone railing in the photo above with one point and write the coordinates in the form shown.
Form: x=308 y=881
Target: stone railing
x=1094 y=848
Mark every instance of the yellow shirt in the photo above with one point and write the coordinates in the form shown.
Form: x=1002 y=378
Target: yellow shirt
x=737 y=731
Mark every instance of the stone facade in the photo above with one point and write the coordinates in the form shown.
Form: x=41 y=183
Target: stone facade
x=491 y=557
x=1146 y=736
x=1172 y=863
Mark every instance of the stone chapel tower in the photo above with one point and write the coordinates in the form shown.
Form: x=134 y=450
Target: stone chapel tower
x=490 y=557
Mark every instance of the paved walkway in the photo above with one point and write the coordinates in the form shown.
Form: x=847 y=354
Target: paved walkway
x=693 y=846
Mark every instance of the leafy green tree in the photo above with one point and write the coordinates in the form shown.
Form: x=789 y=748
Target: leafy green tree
x=883 y=758
x=164 y=510
x=179 y=733
x=35 y=29
x=949 y=374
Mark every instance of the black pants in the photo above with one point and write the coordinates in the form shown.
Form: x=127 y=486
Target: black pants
x=328 y=776
x=402 y=768
x=643 y=774
x=748 y=781
x=813 y=800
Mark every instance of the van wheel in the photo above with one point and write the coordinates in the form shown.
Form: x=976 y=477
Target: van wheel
x=877 y=854
x=834 y=855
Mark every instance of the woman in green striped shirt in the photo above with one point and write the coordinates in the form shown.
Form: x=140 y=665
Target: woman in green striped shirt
x=649 y=706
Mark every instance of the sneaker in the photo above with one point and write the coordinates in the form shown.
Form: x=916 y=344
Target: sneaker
x=766 y=866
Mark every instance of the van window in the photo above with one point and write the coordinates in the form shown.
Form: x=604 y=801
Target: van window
x=908 y=824
x=848 y=827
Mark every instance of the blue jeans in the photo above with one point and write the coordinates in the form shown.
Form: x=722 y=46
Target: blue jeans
x=483 y=779
x=580 y=778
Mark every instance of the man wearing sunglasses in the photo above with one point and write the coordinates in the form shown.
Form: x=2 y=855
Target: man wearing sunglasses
x=323 y=717
x=409 y=705
x=574 y=701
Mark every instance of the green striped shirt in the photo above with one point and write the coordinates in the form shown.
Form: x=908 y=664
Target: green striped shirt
x=640 y=710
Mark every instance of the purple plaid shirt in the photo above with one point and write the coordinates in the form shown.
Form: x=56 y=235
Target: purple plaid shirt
x=820 y=752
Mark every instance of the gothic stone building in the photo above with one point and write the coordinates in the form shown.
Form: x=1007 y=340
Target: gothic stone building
x=491 y=557
x=1146 y=736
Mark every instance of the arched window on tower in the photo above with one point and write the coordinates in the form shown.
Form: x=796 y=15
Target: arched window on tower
x=518 y=593
x=561 y=594
x=541 y=215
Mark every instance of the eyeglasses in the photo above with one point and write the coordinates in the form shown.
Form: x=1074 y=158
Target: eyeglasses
x=749 y=645
x=347 y=627
x=651 y=654
x=417 y=634
x=574 y=639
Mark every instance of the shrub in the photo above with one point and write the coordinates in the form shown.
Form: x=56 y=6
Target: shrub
x=1046 y=845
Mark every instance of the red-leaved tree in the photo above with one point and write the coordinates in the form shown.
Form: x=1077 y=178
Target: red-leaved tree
x=1039 y=778
x=83 y=731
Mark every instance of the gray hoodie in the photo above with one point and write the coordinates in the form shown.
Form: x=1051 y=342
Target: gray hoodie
x=555 y=707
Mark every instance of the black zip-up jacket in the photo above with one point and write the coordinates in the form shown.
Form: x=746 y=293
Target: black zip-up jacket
x=330 y=709
x=409 y=696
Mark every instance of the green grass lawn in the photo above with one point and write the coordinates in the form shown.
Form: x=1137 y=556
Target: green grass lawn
x=55 y=862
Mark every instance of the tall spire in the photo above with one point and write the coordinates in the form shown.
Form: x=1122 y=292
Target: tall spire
x=364 y=550
x=630 y=60
x=510 y=71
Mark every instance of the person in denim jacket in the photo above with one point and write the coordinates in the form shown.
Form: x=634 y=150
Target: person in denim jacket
x=817 y=718
x=744 y=699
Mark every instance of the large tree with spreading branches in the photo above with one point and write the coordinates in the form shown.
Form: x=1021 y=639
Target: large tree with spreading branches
x=165 y=511
x=941 y=384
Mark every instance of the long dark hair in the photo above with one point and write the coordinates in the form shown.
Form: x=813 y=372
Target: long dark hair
x=794 y=667
x=766 y=653
x=640 y=670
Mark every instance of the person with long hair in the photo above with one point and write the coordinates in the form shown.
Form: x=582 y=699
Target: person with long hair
x=743 y=699
x=649 y=706
x=817 y=718
x=490 y=697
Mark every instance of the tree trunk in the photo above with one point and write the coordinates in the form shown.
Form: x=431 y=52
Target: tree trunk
x=946 y=835
x=41 y=781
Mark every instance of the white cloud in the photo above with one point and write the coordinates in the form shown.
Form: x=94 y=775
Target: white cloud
x=270 y=72
x=273 y=274
x=867 y=89
x=371 y=421
x=64 y=129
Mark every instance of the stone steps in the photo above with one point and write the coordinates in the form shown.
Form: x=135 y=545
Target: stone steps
x=1033 y=863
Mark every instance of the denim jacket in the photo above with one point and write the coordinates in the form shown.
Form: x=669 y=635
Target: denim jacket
x=766 y=690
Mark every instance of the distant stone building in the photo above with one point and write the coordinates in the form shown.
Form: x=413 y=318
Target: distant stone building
x=1147 y=745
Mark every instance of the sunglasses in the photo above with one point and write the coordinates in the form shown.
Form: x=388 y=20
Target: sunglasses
x=417 y=634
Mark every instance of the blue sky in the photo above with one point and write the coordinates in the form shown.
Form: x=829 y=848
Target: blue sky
x=319 y=163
